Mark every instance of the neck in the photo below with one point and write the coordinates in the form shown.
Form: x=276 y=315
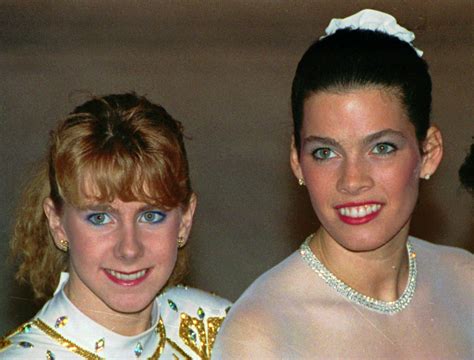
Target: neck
x=120 y=323
x=381 y=273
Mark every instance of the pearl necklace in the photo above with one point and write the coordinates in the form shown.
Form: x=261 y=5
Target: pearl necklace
x=384 y=307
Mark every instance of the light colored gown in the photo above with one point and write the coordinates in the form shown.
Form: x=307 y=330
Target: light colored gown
x=185 y=322
x=290 y=312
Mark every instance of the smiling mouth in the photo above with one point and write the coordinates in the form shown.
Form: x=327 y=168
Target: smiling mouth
x=126 y=276
x=359 y=211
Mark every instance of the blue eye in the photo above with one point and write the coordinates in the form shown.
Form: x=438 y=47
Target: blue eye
x=99 y=218
x=323 y=154
x=384 y=148
x=152 y=217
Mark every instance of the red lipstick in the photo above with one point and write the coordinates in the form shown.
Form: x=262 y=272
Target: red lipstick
x=358 y=213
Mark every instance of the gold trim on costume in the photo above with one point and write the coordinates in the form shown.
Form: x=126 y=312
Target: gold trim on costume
x=161 y=331
x=68 y=344
x=5 y=340
x=178 y=349
x=201 y=341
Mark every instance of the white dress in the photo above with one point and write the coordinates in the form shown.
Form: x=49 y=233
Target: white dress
x=290 y=312
x=185 y=324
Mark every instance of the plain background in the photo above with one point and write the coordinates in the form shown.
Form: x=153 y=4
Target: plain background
x=223 y=68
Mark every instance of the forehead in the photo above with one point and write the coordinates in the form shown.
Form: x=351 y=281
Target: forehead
x=354 y=113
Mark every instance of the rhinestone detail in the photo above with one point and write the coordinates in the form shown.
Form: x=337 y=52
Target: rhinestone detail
x=61 y=321
x=201 y=313
x=99 y=345
x=138 y=349
x=25 y=344
x=172 y=305
x=384 y=307
x=26 y=328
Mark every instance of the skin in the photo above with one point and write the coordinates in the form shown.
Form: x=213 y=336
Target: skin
x=359 y=147
x=125 y=237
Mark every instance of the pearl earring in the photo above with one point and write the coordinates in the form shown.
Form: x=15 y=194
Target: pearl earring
x=427 y=176
x=301 y=182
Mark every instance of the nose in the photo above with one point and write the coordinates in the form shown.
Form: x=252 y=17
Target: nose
x=355 y=177
x=129 y=246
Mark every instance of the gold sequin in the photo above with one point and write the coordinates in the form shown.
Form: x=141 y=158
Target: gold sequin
x=213 y=325
x=193 y=333
x=4 y=343
x=5 y=340
x=161 y=331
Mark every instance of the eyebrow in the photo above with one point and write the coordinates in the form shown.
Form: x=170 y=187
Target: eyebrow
x=109 y=208
x=380 y=134
x=367 y=140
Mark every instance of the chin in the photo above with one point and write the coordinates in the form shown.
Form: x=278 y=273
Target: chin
x=130 y=306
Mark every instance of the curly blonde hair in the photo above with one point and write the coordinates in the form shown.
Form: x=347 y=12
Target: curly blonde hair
x=130 y=148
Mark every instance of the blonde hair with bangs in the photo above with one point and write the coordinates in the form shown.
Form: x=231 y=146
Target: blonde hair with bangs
x=127 y=148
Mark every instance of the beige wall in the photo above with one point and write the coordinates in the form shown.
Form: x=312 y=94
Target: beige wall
x=224 y=69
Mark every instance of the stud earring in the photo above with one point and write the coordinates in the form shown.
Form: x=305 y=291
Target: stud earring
x=301 y=182
x=181 y=242
x=427 y=176
x=63 y=245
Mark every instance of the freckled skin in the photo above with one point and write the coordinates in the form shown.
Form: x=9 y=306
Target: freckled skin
x=357 y=173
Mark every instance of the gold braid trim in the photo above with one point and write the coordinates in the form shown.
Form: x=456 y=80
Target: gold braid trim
x=5 y=340
x=68 y=344
x=178 y=349
x=161 y=331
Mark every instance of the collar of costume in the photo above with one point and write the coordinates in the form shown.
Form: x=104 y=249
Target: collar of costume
x=62 y=321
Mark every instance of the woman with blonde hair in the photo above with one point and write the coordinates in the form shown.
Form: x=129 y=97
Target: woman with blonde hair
x=360 y=287
x=108 y=217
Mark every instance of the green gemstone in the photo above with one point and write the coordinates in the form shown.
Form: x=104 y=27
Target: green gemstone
x=192 y=335
x=201 y=313
x=172 y=305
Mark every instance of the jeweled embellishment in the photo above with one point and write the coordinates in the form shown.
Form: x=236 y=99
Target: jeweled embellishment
x=25 y=344
x=50 y=355
x=138 y=349
x=384 y=307
x=172 y=305
x=26 y=328
x=201 y=313
x=61 y=321
x=192 y=335
x=99 y=345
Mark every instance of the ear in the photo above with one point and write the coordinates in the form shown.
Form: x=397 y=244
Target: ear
x=295 y=160
x=432 y=152
x=54 y=221
x=187 y=219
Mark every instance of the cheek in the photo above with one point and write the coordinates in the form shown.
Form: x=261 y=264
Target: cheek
x=403 y=178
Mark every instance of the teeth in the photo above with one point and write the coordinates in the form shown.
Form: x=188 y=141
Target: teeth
x=127 y=277
x=359 y=211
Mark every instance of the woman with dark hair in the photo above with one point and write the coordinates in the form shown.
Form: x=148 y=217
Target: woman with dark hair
x=360 y=287
x=107 y=217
